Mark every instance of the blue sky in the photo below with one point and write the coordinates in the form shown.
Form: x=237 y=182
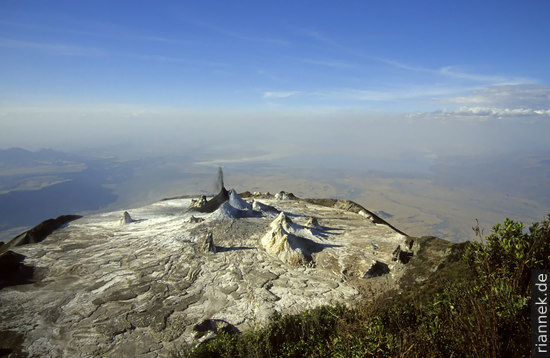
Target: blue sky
x=96 y=68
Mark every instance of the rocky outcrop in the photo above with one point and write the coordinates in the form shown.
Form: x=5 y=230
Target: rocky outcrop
x=378 y=268
x=199 y=203
x=40 y=231
x=283 y=195
x=256 y=195
x=213 y=204
x=402 y=256
x=13 y=271
x=353 y=207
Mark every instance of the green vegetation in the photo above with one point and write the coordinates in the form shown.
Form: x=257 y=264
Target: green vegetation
x=475 y=305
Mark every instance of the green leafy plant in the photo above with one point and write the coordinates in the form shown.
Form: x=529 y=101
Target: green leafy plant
x=475 y=305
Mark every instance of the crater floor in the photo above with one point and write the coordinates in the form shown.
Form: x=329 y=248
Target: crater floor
x=147 y=286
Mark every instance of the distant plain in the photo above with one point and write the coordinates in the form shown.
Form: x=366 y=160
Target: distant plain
x=443 y=200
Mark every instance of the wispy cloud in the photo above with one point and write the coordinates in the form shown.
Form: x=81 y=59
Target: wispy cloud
x=172 y=59
x=315 y=35
x=350 y=94
x=271 y=76
x=447 y=71
x=453 y=72
x=158 y=39
x=456 y=73
x=243 y=37
x=279 y=94
x=525 y=95
x=161 y=58
x=56 y=49
x=408 y=93
x=496 y=102
x=388 y=94
x=79 y=51
x=485 y=113
x=100 y=30
x=26 y=26
x=328 y=63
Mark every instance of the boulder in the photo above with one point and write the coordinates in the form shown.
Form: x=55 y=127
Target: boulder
x=213 y=326
x=194 y=220
x=402 y=256
x=377 y=269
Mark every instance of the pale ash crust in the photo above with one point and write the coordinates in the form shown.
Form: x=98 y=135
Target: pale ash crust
x=148 y=286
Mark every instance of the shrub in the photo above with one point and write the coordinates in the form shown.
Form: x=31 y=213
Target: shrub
x=475 y=305
x=503 y=268
x=300 y=335
x=510 y=253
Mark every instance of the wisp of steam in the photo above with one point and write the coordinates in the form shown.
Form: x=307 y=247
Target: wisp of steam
x=219 y=182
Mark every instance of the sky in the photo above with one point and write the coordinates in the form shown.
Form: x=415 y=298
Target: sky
x=266 y=79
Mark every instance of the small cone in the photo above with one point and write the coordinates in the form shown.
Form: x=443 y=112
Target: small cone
x=126 y=219
x=208 y=244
